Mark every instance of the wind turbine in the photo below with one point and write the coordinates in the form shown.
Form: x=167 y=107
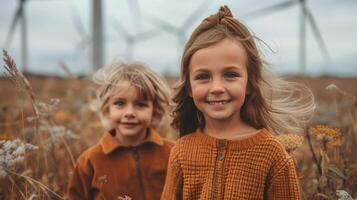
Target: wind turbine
x=135 y=11
x=132 y=39
x=180 y=32
x=19 y=17
x=305 y=17
x=97 y=38
x=85 y=38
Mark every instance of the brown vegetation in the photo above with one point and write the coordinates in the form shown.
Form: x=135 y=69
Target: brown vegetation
x=54 y=115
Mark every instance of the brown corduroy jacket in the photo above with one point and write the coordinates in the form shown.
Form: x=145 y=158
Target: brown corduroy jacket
x=109 y=170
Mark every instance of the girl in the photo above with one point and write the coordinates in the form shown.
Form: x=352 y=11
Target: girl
x=130 y=160
x=227 y=112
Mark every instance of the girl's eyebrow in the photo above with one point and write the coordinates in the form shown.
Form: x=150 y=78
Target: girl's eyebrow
x=201 y=70
x=234 y=67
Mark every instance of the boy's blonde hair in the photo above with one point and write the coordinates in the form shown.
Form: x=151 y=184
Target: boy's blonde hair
x=272 y=103
x=149 y=85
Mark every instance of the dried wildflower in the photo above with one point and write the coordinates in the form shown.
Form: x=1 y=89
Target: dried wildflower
x=124 y=198
x=56 y=134
x=103 y=179
x=290 y=141
x=343 y=195
x=326 y=133
x=11 y=153
x=48 y=109
x=62 y=116
x=331 y=87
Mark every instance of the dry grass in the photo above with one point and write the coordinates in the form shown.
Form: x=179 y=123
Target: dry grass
x=54 y=114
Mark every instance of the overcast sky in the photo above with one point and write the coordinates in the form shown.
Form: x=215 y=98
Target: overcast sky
x=53 y=37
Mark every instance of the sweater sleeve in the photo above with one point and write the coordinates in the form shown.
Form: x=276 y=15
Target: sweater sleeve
x=79 y=186
x=174 y=180
x=284 y=183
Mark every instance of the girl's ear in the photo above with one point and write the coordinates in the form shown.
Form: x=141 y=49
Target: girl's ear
x=248 y=89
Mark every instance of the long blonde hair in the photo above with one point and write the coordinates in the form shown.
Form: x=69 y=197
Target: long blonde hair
x=273 y=103
x=150 y=86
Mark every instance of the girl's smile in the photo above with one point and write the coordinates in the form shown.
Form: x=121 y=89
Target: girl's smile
x=218 y=80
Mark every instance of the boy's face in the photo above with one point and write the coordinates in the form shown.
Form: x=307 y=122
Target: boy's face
x=129 y=115
x=218 y=80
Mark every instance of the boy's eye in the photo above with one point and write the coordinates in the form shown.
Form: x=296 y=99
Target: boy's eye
x=231 y=74
x=202 y=77
x=142 y=104
x=119 y=103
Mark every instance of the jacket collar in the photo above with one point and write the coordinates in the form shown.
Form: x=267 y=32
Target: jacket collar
x=109 y=143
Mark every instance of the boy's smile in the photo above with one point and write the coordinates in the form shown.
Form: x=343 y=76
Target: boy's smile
x=129 y=114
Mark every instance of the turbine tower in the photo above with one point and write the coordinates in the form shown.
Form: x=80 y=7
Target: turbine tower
x=305 y=17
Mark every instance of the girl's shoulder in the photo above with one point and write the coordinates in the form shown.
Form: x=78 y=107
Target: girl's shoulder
x=274 y=148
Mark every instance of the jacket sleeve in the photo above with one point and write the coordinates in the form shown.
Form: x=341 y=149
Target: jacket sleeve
x=80 y=184
x=284 y=183
x=174 y=178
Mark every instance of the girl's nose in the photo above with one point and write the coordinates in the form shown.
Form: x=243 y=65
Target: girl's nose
x=217 y=87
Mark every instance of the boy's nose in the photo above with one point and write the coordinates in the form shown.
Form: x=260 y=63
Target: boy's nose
x=129 y=111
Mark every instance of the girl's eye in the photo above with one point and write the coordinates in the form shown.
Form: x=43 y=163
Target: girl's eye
x=202 y=77
x=231 y=74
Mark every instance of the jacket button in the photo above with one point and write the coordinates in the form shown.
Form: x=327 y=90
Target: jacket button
x=220 y=156
x=221 y=143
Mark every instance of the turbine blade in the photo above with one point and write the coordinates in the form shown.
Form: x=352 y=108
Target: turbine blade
x=146 y=35
x=14 y=21
x=135 y=8
x=120 y=28
x=196 y=14
x=271 y=9
x=318 y=35
x=78 y=23
x=163 y=24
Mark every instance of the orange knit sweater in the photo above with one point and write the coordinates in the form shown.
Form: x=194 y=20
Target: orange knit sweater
x=204 y=167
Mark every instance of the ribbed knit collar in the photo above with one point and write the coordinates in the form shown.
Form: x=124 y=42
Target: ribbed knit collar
x=109 y=143
x=234 y=144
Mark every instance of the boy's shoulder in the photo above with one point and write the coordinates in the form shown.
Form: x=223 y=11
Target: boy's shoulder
x=91 y=152
x=168 y=143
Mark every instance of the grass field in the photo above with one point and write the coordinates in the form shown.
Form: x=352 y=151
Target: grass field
x=64 y=125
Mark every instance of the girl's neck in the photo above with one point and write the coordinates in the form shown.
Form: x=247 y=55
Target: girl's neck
x=231 y=130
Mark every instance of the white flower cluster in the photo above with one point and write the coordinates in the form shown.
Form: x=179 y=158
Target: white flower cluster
x=56 y=134
x=11 y=153
x=48 y=109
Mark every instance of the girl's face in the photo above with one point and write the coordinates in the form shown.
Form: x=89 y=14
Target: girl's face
x=218 y=80
x=129 y=114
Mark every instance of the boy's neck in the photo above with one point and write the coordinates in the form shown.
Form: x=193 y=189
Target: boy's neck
x=131 y=140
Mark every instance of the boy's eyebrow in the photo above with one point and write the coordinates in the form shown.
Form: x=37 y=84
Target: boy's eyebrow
x=118 y=98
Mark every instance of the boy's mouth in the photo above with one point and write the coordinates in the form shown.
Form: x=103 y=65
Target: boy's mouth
x=218 y=102
x=129 y=123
